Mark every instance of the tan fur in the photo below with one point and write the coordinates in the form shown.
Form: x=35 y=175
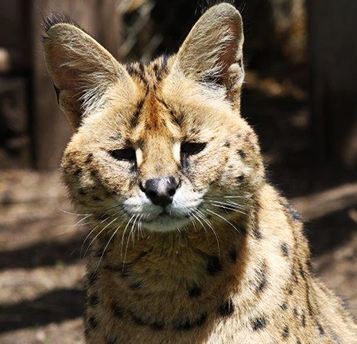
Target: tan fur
x=237 y=268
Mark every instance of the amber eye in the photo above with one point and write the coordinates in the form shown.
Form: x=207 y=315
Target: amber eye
x=125 y=154
x=192 y=148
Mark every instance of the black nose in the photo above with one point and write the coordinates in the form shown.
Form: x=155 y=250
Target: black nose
x=161 y=190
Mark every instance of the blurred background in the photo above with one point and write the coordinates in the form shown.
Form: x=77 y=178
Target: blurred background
x=300 y=96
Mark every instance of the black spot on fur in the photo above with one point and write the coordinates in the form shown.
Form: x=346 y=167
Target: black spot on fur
x=92 y=322
x=227 y=308
x=284 y=306
x=186 y=325
x=296 y=313
x=116 y=137
x=136 y=285
x=257 y=234
x=89 y=158
x=111 y=340
x=301 y=270
x=214 y=265
x=157 y=326
x=298 y=341
x=194 y=291
x=303 y=319
x=259 y=323
x=201 y=320
x=232 y=254
x=285 y=249
x=227 y=144
x=77 y=172
x=286 y=332
x=242 y=154
x=261 y=274
x=240 y=179
x=138 y=321
x=320 y=328
x=93 y=300
x=96 y=198
x=117 y=310
x=92 y=278
x=81 y=192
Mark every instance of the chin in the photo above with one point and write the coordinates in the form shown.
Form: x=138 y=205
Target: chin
x=166 y=223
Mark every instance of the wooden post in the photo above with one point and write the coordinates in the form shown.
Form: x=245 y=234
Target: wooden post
x=333 y=48
x=50 y=130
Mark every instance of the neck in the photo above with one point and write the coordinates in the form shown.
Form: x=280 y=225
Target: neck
x=192 y=265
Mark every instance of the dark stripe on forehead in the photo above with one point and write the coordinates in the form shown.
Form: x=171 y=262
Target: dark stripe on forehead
x=177 y=118
x=160 y=68
x=134 y=120
x=137 y=70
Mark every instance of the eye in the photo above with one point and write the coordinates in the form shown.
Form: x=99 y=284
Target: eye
x=125 y=154
x=192 y=148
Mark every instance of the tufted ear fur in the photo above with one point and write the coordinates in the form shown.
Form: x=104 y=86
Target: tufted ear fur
x=81 y=69
x=212 y=52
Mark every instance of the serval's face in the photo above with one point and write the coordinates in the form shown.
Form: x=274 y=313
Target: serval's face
x=160 y=145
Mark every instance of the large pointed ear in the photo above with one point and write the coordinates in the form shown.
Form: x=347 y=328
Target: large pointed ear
x=212 y=52
x=81 y=69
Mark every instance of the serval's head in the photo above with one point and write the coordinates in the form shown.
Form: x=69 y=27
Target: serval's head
x=162 y=144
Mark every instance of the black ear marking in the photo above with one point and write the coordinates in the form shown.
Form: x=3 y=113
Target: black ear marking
x=57 y=18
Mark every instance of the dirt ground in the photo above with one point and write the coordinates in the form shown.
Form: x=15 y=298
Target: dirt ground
x=41 y=270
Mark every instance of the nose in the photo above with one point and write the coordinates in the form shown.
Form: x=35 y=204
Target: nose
x=160 y=190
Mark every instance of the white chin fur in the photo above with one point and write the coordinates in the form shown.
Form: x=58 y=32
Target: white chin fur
x=165 y=223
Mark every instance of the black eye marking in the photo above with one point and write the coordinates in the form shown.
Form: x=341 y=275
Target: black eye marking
x=192 y=148
x=125 y=154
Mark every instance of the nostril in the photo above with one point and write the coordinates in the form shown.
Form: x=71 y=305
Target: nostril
x=171 y=191
x=151 y=194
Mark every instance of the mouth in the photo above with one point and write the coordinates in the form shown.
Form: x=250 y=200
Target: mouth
x=165 y=223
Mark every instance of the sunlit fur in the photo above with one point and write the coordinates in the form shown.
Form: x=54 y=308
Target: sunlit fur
x=226 y=262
